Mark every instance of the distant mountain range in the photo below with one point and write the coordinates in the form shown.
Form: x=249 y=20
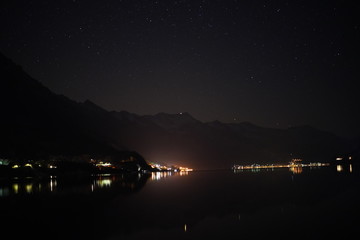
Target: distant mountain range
x=36 y=123
x=179 y=138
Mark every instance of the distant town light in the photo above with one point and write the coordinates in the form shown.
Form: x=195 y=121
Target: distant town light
x=170 y=169
x=102 y=164
x=294 y=166
x=339 y=159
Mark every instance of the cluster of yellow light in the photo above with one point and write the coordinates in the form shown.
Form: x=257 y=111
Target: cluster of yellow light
x=164 y=174
x=184 y=173
x=160 y=175
x=103 y=164
x=185 y=169
x=296 y=170
x=291 y=165
x=257 y=166
x=26 y=165
x=172 y=169
x=160 y=167
x=103 y=182
x=28 y=187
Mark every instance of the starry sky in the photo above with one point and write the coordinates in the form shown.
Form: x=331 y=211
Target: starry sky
x=273 y=63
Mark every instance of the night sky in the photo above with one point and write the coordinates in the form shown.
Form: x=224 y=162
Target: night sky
x=273 y=63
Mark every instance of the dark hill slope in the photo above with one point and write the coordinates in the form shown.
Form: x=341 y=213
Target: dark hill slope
x=37 y=123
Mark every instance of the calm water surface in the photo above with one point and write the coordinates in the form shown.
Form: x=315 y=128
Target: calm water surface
x=311 y=203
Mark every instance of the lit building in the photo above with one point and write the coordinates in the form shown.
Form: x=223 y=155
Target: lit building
x=296 y=161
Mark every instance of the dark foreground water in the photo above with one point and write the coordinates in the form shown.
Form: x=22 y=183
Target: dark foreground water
x=312 y=204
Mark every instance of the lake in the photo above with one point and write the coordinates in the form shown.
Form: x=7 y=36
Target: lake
x=312 y=202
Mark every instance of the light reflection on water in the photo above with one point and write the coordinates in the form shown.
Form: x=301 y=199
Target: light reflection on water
x=52 y=183
x=296 y=170
x=105 y=181
x=128 y=182
x=27 y=187
x=344 y=168
x=213 y=204
x=102 y=181
x=162 y=175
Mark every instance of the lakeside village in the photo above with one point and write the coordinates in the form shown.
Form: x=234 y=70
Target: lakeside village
x=296 y=165
x=83 y=166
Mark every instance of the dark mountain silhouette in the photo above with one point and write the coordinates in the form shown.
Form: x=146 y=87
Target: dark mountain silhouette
x=36 y=123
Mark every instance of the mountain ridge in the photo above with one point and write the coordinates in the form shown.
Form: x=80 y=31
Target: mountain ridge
x=40 y=121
